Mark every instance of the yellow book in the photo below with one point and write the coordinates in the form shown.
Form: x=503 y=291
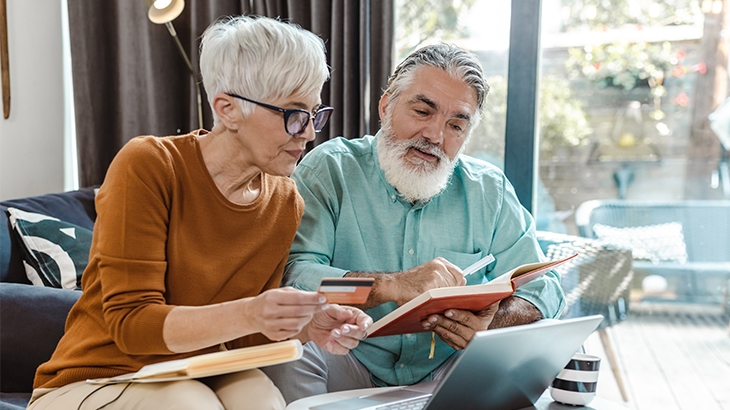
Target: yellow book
x=212 y=364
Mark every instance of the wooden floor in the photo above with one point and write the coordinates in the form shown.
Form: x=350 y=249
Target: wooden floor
x=674 y=357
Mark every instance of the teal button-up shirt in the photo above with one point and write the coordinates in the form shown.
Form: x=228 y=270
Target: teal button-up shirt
x=354 y=220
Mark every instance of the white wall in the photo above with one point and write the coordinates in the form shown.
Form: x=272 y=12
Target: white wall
x=32 y=139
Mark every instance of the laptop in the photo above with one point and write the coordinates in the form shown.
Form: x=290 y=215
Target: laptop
x=500 y=369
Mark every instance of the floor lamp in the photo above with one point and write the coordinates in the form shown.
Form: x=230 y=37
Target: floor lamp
x=163 y=12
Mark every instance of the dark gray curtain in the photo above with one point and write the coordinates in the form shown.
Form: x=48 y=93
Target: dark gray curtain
x=129 y=78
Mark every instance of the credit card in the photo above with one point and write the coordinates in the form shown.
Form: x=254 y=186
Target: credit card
x=346 y=291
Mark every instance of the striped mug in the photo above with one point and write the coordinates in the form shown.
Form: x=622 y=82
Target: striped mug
x=576 y=383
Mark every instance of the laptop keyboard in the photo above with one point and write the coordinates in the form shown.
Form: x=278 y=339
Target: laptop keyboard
x=416 y=403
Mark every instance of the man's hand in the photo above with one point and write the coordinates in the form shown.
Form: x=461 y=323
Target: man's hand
x=337 y=328
x=401 y=287
x=457 y=327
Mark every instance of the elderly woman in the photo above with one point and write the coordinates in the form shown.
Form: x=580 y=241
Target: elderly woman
x=193 y=233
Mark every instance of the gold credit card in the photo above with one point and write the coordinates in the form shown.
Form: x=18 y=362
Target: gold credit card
x=346 y=291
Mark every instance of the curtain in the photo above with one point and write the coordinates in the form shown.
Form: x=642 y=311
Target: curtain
x=129 y=78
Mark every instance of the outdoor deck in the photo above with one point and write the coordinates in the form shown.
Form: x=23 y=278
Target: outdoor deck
x=674 y=357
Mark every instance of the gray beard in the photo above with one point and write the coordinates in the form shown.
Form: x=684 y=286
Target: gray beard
x=414 y=180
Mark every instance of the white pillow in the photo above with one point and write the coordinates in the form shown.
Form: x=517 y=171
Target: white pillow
x=656 y=243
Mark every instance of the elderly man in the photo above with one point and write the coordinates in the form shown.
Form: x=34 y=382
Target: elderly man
x=407 y=208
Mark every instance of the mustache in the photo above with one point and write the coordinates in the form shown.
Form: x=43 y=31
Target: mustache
x=425 y=146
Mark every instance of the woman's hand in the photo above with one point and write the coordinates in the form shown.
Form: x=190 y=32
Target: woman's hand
x=282 y=313
x=337 y=328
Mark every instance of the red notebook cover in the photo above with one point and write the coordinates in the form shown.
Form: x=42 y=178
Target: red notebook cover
x=408 y=318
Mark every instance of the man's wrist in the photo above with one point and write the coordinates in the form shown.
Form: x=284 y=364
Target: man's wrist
x=515 y=311
x=383 y=291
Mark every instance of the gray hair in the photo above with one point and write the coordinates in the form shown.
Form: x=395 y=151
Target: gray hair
x=261 y=58
x=457 y=62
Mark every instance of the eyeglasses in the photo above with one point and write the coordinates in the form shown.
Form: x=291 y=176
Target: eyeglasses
x=296 y=121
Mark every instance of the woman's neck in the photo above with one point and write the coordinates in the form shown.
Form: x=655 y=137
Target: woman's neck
x=238 y=181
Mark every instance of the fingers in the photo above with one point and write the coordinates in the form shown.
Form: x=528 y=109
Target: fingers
x=452 y=332
x=455 y=327
x=291 y=296
x=350 y=321
x=436 y=273
x=282 y=313
x=338 y=328
x=455 y=340
x=450 y=273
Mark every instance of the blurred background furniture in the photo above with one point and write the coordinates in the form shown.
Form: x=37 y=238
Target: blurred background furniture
x=32 y=318
x=687 y=242
x=597 y=281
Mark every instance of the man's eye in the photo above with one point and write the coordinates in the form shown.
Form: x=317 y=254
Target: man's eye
x=421 y=112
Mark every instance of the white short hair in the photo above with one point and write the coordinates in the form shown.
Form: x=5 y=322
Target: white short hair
x=262 y=59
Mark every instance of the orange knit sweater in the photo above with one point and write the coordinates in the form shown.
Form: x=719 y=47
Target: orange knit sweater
x=166 y=236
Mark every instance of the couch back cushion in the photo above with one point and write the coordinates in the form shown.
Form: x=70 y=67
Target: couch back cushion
x=76 y=207
x=32 y=320
x=705 y=224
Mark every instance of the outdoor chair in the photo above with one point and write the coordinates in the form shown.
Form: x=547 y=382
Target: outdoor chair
x=597 y=281
x=686 y=242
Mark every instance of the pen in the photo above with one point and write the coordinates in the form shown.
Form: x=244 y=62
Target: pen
x=479 y=264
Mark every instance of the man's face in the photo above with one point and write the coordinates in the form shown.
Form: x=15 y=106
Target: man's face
x=436 y=108
x=424 y=130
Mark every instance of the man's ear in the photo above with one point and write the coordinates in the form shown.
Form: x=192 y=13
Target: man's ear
x=227 y=110
x=383 y=105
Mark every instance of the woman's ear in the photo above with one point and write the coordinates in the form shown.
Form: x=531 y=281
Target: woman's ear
x=227 y=110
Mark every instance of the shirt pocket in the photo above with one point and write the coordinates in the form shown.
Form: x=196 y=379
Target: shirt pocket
x=464 y=260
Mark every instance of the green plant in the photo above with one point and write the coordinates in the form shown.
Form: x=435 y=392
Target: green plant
x=626 y=65
x=563 y=122
x=422 y=21
x=622 y=64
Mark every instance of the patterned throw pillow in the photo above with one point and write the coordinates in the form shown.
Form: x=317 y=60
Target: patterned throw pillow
x=55 y=252
x=656 y=243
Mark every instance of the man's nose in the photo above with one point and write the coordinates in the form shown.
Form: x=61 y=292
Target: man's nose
x=434 y=133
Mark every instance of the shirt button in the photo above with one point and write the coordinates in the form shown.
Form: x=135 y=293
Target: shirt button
x=392 y=196
x=402 y=365
x=408 y=336
x=410 y=251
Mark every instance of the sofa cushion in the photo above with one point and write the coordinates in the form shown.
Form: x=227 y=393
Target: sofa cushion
x=14 y=401
x=55 y=252
x=76 y=207
x=655 y=243
x=32 y=319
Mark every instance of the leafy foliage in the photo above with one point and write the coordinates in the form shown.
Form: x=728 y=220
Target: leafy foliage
x=422 y=21
x=588 y=15
x=563 y=122
x=622 y=64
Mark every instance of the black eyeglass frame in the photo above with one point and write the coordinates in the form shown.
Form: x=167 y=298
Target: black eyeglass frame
x=288 y=113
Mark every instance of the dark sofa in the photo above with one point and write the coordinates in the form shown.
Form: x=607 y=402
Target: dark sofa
x=32 y=318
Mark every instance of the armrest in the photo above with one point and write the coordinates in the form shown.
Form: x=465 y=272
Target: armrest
x=597 y=281
x=32 y=321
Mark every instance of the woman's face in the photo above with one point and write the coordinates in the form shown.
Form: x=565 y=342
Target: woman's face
x=267 y=143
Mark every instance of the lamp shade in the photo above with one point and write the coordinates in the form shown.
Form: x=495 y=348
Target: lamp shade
x=164 y=11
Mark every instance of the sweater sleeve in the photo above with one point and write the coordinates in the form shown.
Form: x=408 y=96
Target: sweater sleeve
x=130 y=245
